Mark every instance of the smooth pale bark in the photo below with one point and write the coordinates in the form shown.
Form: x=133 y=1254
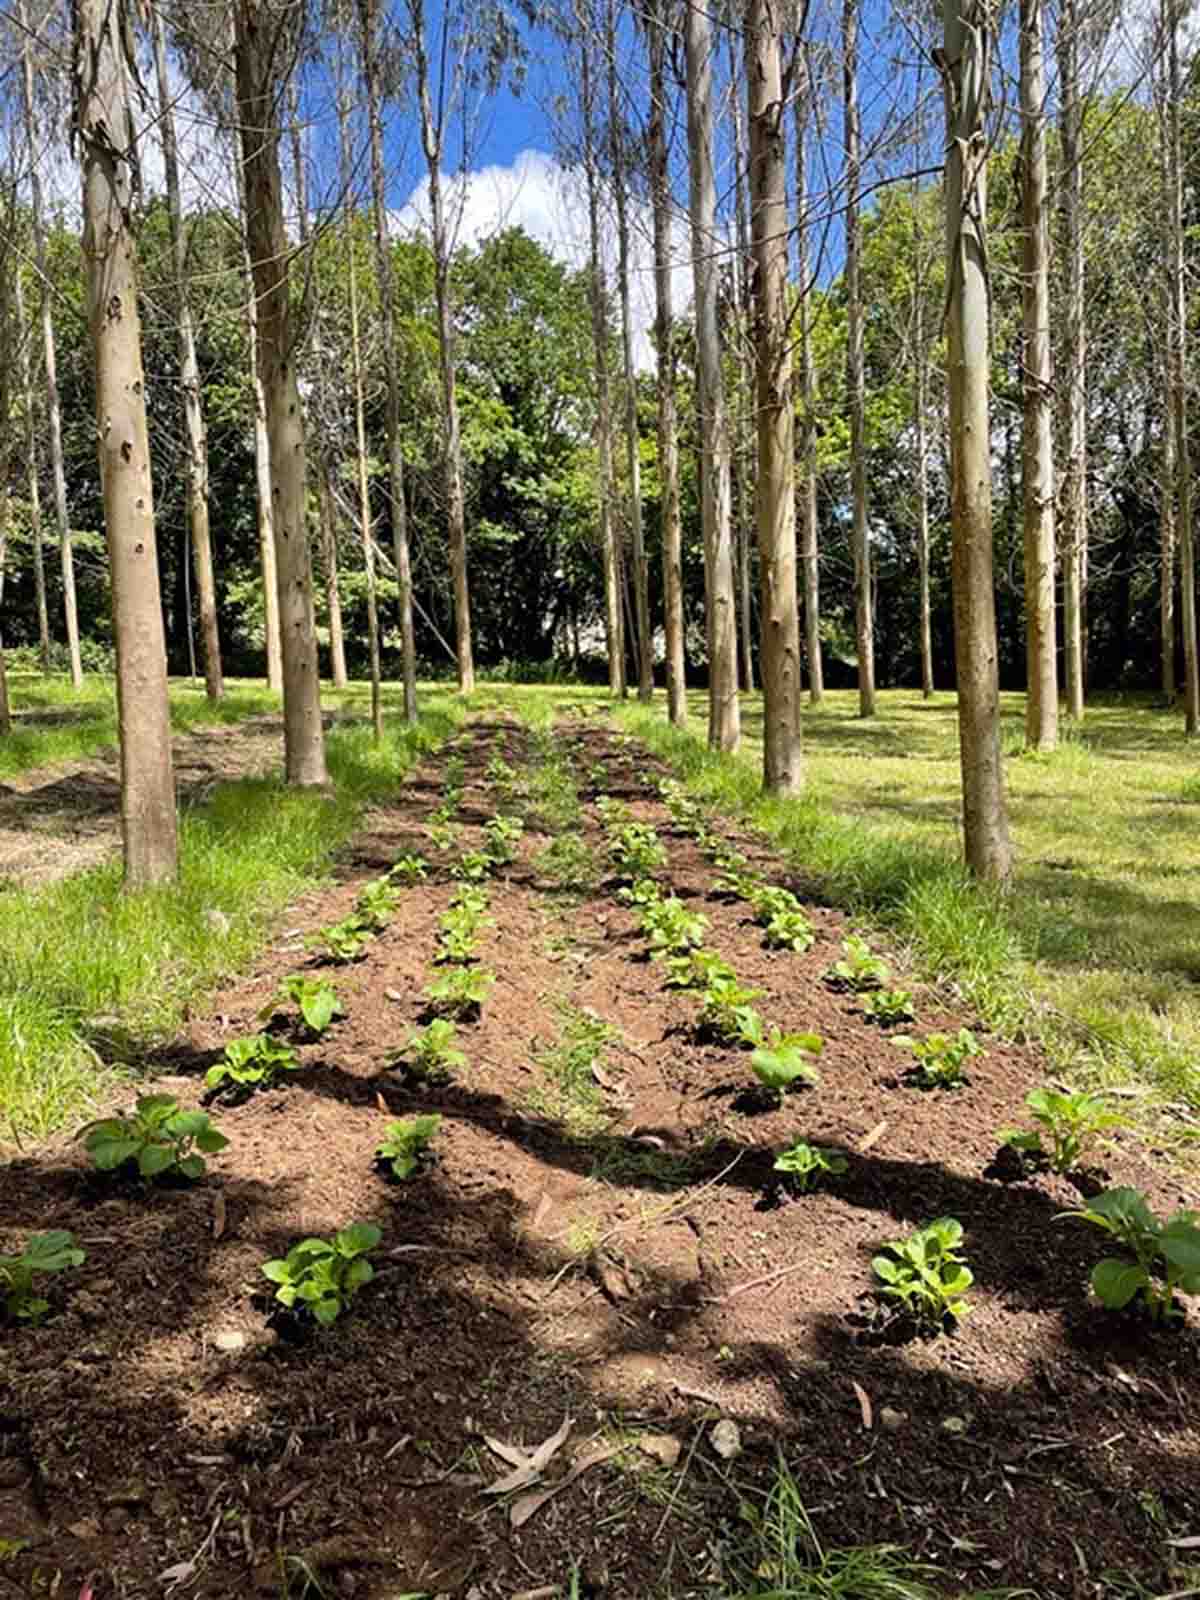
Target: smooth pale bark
x=1179 y=385
x=369 y=58
x=195 y=440
x=856 y=393
x=743 y=429
x=920 y=430
x=614 y=630
x=724 y=711
x=1166 y=574
x=260 y=46
x=805 y=103
x=964 y=66
x=1037 y=477
x=333 y=597
x=775 y=486
x=49 y=354
x=34 y=489
x=1071 y=376
x=668 y=443
x=640 y=576
x=456 y=517
x=360 y=431
x=105 y=133
x=10 y=335
x=262 y=456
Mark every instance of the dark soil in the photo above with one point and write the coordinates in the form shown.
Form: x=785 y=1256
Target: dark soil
x=645 y=1281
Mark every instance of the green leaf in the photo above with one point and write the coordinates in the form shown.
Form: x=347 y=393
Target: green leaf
x=884 y=1267
x=52 y=1251
x=155 y=1158
x=1116 y=1282
x=1180 y=1243
x=278 y=1271
x=359 y=1271
x=187 y=1124
x=192 y=1166
x=358 y=1238
x=216 y=1075
x=111 y=1153
x=211 y=1139
x=327 y=1311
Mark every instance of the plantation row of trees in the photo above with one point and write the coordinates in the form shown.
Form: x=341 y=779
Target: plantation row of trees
x=460 y=432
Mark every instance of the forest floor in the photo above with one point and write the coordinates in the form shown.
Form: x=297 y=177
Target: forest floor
x=600 y=1239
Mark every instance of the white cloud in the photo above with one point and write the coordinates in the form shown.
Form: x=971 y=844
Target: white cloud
x=549 y=201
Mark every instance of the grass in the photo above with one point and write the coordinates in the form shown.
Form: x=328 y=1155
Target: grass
x=568 y=1092
x=90 y=975
x=1095 y=949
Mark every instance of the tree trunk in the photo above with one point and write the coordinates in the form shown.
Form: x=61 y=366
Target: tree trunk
x=724 y=711
x=614 y=632
x=431 y=139
x=35 y=495
x=1072 y=374
x=668 y=444
x=333 y=597
x=50 y=355
x=105 y=131
x=775 y=489
x=855 y=370
x=925 y=626
x=360 y=427
x=805 y=104
x=964 y=64
x=1037 y=479
x=260 y=46
x=1179 y=384
x=195 y=444
x=1166 y=576
x=391 y=365
x=644 y=642
x=743 y=429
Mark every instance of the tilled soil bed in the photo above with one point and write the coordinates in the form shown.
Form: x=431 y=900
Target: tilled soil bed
x=609 y=1247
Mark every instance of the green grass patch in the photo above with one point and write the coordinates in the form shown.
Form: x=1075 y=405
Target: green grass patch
x=568 y=1092
x=1094 y=950
x=53 y=723
x=92 y=975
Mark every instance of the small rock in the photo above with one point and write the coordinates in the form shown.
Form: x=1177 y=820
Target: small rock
x=664 y=1447
x=229 y=1340
x=218 y=921
x=954 y=1425
x=726 y=1439
x=101 y=1286
x=892 y=1419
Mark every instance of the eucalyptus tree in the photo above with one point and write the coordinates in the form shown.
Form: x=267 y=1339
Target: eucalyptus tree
x=619 y=171
x=1072 y=364
x=266 y=35
x=29 y=36
x=372 y=54
x=195 y=443
x=775 y=504
x=1041 y=701
x=106 y=140
x=965 y=64
x=21 y=339
x=741 y=399
x=657 y=25
x=855 y=366
x=724 y=711
x=805 y=101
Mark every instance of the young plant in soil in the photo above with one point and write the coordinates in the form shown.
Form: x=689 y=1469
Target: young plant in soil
x=696 y=969
x=249 y=1063
x=461 y=992
x=443 y=835
x=726 y=1011
x=860 y=968
x=461 y=926
x=614 y=814
x=570 y=1092
x=637 y=850
x=409 y=869
x=503 y=835
x=54 y=1251
x=316 y=999
x=888 y=1006
x=473 y=866
x=1073 y=1121
x=671 y=928
x=642 y=894
x=940 y=1057
x=789 y=930
x=784 y=1060
x=568 y=861
x=430 y=1053
x=926 y=1274
x=1166 y=1254
x=376 y=904
x=687 y=814
x=158 y=1139
x=343 y=941
x=803 y=1165
x=322 y=1276
x=735 y=884
x=404 y=1148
